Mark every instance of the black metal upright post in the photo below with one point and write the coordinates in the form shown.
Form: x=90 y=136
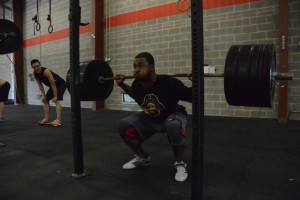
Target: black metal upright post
x=198 y=100
x=74 y=18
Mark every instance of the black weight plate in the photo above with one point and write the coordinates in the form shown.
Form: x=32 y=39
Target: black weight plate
x=273 y=69
x=10 y=37
x=248 y=75
x=263 y=71
x=242 y=75
x=230 y=71
x=253 y=79
x=252 y=75
x=95 y=90
x=265 y=68
x=270 y=86
x=259 y=77
x=260 y=90
x=83 y=95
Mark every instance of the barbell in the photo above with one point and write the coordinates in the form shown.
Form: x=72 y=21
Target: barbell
x=249 y=77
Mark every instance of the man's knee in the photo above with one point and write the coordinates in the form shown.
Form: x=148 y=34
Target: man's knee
x=176 y=132
x=127 y=131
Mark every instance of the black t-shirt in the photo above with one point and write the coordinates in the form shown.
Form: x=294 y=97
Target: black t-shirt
x=161 y=99
x=43 y=79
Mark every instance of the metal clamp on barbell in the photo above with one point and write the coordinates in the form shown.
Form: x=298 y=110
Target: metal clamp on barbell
x=281 y=76
x=277 y=78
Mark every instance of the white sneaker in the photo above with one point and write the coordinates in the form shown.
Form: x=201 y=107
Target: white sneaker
x=137 y=162
x=181 y=173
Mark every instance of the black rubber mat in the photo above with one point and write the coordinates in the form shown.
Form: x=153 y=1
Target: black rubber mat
x=245 y=159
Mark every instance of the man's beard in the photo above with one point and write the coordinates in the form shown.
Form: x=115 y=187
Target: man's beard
x=145 y=78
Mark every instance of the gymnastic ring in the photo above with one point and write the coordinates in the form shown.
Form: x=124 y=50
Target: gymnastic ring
x=50 y=29
x=38 y=26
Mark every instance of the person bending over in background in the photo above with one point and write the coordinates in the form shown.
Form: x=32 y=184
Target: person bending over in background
x=57 y=87
x=4 y=91
x=158 y=97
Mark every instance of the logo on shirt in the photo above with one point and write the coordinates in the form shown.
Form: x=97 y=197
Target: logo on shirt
x=152 y=106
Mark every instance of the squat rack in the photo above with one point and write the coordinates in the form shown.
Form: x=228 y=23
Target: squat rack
x=198 y=95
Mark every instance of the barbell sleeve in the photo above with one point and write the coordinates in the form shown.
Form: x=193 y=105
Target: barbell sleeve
x=280 y=76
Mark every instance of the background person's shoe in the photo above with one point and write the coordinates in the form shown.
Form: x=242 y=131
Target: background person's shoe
x=44 y=122
x=56 y=123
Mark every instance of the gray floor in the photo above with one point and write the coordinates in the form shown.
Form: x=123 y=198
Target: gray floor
x=245 y=159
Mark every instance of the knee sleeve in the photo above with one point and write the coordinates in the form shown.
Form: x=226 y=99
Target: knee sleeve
x=127 y=131
x=176 y=132
x=130 y=134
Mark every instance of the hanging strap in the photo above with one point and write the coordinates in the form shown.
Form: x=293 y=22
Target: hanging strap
x=36 y=24
x=3 y=11
x=50 y=28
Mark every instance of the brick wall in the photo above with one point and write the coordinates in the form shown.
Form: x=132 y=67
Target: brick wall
x=168 y=38
x=55 y=54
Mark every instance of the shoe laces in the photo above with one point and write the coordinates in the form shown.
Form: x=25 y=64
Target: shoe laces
x=180 y=166
x=138 y=158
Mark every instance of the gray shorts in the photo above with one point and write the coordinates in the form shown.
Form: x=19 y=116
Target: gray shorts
x=145 y=127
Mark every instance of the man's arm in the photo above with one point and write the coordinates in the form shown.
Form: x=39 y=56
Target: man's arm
x=40 y=87
x=127 y=89
x=48 y=74
x=184 y=92
x=120 y=81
